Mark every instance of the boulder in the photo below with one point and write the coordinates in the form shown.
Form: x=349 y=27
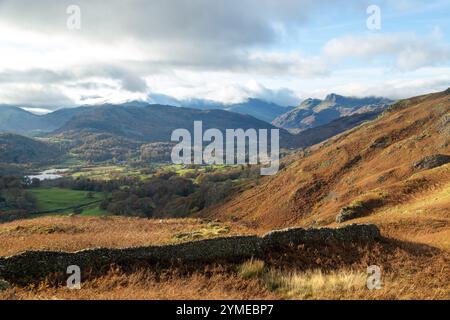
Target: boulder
x=356 y=210
x=431 y=162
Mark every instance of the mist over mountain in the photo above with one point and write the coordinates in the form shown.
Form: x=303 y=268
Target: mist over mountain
x=315 y=112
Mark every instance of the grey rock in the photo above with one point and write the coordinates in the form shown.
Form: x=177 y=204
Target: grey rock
x=431 y=162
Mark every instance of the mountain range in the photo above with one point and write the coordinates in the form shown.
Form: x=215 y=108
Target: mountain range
x=109 y=131
x=104 y=132
x=315 y=112
x=155 y=123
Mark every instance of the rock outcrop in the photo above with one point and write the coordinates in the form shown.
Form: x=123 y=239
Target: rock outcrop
x=431 y=162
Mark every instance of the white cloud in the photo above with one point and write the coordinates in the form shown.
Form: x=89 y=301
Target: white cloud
x=37 y=110
x=407 y=51
x=224 y=51
x=35 y=95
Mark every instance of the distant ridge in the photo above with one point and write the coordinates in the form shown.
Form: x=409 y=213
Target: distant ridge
x=258 y=108
x=315 y=112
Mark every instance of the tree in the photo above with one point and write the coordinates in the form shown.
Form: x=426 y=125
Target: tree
x=35 y=183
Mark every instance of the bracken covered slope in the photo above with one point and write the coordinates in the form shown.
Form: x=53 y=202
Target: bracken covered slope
x=392 y=171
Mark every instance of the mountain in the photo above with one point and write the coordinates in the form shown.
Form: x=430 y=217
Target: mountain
x=266 y=111
x=19 y=149
x=321 y=133
x=260 y=109
x=155 y=123
x=315 y=112
x=103 y=132
x=16 y=120
x=108 y=131
x=393 y=171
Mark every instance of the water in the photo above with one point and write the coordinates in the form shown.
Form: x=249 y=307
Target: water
x=51 y=174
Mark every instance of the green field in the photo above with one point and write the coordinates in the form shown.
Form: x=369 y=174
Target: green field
x=108 y=172
x=54 y=199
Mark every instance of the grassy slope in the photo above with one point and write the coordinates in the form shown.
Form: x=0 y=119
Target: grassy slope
x=77 y=232
x=57 y=198
x=352 y=167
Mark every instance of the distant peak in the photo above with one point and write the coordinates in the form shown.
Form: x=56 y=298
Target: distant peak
x=309 y=103
x=333 y=97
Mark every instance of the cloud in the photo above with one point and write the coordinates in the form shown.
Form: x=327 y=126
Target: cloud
x=291 y=63
x=34 y=76
x=407 y=50
x=129 y=80
x=38 y=111
x=220 y=50
x=281 y=96
x=241 y=93
x=230 y=23
x=401 y=88
x=46 y=96
x=394 y=88
x=189 y=34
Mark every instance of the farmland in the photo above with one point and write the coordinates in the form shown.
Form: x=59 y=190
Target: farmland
x=63 y=201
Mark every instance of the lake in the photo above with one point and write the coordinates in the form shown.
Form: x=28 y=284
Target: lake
x=50 y=174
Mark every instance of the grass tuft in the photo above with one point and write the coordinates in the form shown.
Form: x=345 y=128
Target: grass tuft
x=252 y=269
x=314 y=284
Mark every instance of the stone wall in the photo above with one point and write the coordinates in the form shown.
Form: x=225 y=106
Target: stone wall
x=29 y=265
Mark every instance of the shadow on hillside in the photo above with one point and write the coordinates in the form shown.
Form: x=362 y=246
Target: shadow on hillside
x=390 y=254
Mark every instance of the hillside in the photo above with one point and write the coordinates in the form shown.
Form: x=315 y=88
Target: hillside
x=18 y=149
x=104 y=132
x=315 y=112
x=392 y=171
x=16 y=120
x=155 y=123
x=321 y=133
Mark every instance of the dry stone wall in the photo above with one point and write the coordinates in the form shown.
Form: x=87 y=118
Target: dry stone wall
x=30 y=265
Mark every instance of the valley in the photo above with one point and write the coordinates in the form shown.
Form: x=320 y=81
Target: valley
x=236 y=150
x=390 y=169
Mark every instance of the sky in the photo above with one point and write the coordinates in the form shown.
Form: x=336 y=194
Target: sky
x=55 y=55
